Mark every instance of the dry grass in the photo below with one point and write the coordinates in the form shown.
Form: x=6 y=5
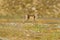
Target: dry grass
x=30 y=32
x=15 y=10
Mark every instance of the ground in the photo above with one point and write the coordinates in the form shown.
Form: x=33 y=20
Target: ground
x=20 y=31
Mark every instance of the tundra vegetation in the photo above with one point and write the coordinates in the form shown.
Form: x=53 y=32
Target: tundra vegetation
x=17 y=9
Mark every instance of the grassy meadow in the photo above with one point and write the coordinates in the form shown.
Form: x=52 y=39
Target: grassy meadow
x=13 y=25
x=30 y=31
